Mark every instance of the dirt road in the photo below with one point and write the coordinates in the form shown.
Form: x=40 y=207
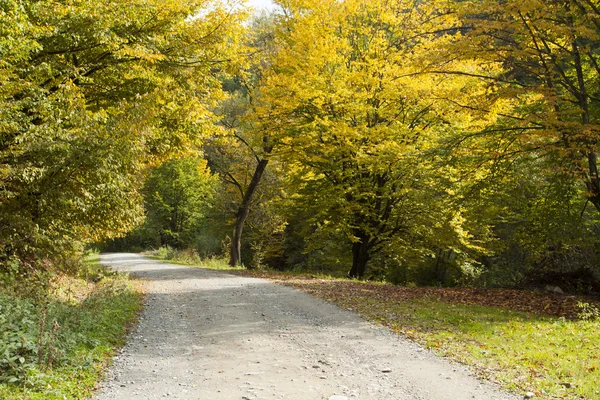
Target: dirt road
x=214 y=336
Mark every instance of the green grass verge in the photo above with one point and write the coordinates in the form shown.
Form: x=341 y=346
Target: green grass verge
x=85 y=324
x=551 y=357
x=191 y=258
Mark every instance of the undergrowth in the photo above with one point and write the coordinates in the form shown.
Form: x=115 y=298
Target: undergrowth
x=58 y=331
x=189 y=257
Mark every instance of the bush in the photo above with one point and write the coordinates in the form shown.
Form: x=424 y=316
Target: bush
x=18 y=338
x=66 y=326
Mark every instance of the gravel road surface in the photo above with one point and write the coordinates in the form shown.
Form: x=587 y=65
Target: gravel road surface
x=209 y=335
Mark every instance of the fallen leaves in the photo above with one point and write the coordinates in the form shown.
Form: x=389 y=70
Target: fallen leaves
x=536 y=302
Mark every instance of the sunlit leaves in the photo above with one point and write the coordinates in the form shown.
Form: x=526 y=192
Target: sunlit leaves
x=357 y=118
x=92 y=94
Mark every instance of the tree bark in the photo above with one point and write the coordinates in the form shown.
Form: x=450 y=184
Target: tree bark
x=593 y=182
x=235 y=252
x=360 y=255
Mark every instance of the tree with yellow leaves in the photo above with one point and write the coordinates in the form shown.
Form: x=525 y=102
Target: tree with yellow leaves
x=549 y=83
x=358 y=124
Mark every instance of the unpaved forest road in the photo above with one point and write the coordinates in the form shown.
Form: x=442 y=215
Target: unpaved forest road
x=209 y=335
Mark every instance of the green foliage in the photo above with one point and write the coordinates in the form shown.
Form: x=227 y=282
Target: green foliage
x=177 y=196
x=54 y=344
x=189 y=257
x=92 y=94
x=17 y=344
x=588 y=312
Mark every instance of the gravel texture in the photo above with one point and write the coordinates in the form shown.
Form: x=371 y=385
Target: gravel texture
x=210 y=335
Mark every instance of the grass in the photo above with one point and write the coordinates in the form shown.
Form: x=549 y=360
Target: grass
x=191 y=258
x=551 y=357
x=84 y=323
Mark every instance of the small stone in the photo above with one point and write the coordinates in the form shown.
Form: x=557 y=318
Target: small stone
x=554 y=289
x=568 y=385
x=386 y=370
x=529 y=395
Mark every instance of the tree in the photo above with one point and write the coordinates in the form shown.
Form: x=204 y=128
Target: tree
x=245 y=134
x=177 y=196
x=92 y=94
x=547 y=89
x=356 y=126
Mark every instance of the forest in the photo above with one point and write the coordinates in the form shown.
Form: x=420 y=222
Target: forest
x=439 y=143
x=431 y=143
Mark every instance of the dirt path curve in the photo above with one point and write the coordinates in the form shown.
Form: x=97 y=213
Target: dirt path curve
x=213 y=336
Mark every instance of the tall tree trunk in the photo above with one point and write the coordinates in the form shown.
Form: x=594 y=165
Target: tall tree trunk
x=235 y=253
x=593 y=181
x=360 y=255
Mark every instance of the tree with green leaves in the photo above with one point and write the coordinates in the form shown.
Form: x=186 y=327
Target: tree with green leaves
x=177 y=197
x=92 y=94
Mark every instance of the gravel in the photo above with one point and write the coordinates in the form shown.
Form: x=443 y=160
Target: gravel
x=210 y=335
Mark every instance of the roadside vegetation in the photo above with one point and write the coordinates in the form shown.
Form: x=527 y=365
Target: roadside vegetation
x=59 y=330
x=191 y=258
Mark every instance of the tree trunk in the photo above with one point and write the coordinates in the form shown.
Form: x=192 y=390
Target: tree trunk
x=360 y=256
x=235 y=253
x=593 y=181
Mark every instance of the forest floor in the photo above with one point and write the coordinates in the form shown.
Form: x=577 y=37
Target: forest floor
x=213 y=335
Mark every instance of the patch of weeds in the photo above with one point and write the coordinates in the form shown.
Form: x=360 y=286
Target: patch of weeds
x=55 y=344
x=189 y=257
x=588 y=312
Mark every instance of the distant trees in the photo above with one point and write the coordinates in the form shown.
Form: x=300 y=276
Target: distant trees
x=177 y=197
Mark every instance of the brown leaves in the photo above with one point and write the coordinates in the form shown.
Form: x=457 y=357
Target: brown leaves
x=520 y=300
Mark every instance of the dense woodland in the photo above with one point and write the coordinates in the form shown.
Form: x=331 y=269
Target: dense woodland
x=439 y=142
